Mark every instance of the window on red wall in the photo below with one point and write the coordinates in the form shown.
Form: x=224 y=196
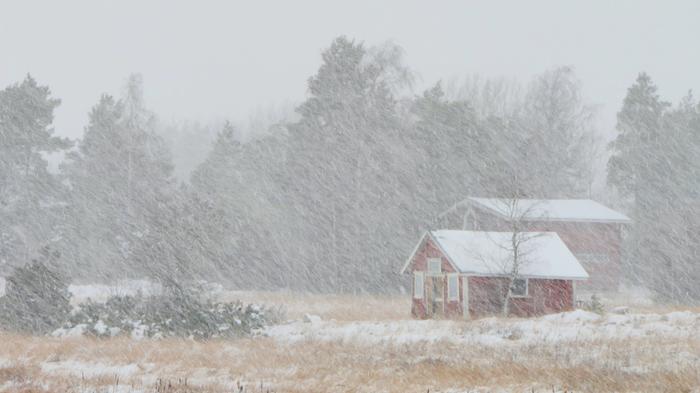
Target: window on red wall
x=434 y=265
x=519 y=287
x=418 y=285
x=452 y=287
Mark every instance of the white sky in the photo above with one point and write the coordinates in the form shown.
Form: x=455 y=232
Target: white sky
x=206 y=60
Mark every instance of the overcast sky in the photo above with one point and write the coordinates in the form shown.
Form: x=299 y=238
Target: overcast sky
x=223 y=59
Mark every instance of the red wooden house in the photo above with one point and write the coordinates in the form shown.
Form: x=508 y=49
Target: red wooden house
x=465 y=274
x=592 y=231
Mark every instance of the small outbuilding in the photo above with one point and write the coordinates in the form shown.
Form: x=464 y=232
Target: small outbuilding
x=467 y=274
x=593 y=232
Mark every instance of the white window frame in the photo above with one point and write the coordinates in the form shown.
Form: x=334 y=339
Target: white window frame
x=434 y=260
x=455 y=277
x=417 y=294
x=527 y=288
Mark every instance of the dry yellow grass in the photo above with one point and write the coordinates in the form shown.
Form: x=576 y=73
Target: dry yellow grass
x=216 y=366
x=639 y=364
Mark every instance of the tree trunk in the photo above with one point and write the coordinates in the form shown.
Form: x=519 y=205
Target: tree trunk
x=506 y=302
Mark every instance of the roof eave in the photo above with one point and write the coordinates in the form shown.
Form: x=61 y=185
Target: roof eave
x=595 y=221
x=413 y=253
x=476 y=203
x=538 y=277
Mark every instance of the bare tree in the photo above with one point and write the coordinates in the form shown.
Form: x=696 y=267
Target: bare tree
x=517 y=248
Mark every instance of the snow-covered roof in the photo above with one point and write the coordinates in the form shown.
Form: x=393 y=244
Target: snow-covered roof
x=580 y=210
x=543 y=254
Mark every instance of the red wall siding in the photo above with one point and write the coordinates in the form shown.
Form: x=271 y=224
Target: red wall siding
x=556 y=296
x=486 y=295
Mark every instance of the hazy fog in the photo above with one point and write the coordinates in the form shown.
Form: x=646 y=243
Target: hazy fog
x=215 y=60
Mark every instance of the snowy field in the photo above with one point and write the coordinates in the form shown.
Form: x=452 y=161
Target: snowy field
x=363 y=343
x=556 y=329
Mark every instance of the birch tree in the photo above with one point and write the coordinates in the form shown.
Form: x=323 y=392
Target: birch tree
x=519 y=247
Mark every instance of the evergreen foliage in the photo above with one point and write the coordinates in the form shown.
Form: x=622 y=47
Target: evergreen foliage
x=36 y=297
x=655 y=167
x=30 y=197
x=177 y=313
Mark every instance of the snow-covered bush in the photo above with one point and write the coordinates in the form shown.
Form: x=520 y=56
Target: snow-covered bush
x=36 y=299
x=176 y=313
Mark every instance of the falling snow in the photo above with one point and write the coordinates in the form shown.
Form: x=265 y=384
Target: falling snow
x=192 y=234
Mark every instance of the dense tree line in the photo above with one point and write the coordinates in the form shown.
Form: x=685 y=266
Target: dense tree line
x=334 y=199
x=656 y=168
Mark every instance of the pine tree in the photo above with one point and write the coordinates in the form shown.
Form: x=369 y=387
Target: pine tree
x=453 y=154
x=30 y=196
x=671 y=230
x=121 y=177
x=348 y=160
x=639 y=126
x=654 y=164
x=240 y=182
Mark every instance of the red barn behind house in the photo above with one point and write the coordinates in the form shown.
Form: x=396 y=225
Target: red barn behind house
x=592 y=231
x=465 y=274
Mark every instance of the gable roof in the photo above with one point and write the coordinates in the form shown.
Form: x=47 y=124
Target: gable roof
x=544 y=254
x=574 y=210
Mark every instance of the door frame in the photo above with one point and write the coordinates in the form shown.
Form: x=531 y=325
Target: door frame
x=436 y=278
x=465 y=297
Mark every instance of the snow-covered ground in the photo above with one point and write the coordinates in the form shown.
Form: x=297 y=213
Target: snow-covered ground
x=81 y=369
x=370 y=341
x=572 y=326
x=574 y=351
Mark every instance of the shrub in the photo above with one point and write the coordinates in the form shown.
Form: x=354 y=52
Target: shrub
x=177 y=313
x=595 y=305
x=36 y=298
